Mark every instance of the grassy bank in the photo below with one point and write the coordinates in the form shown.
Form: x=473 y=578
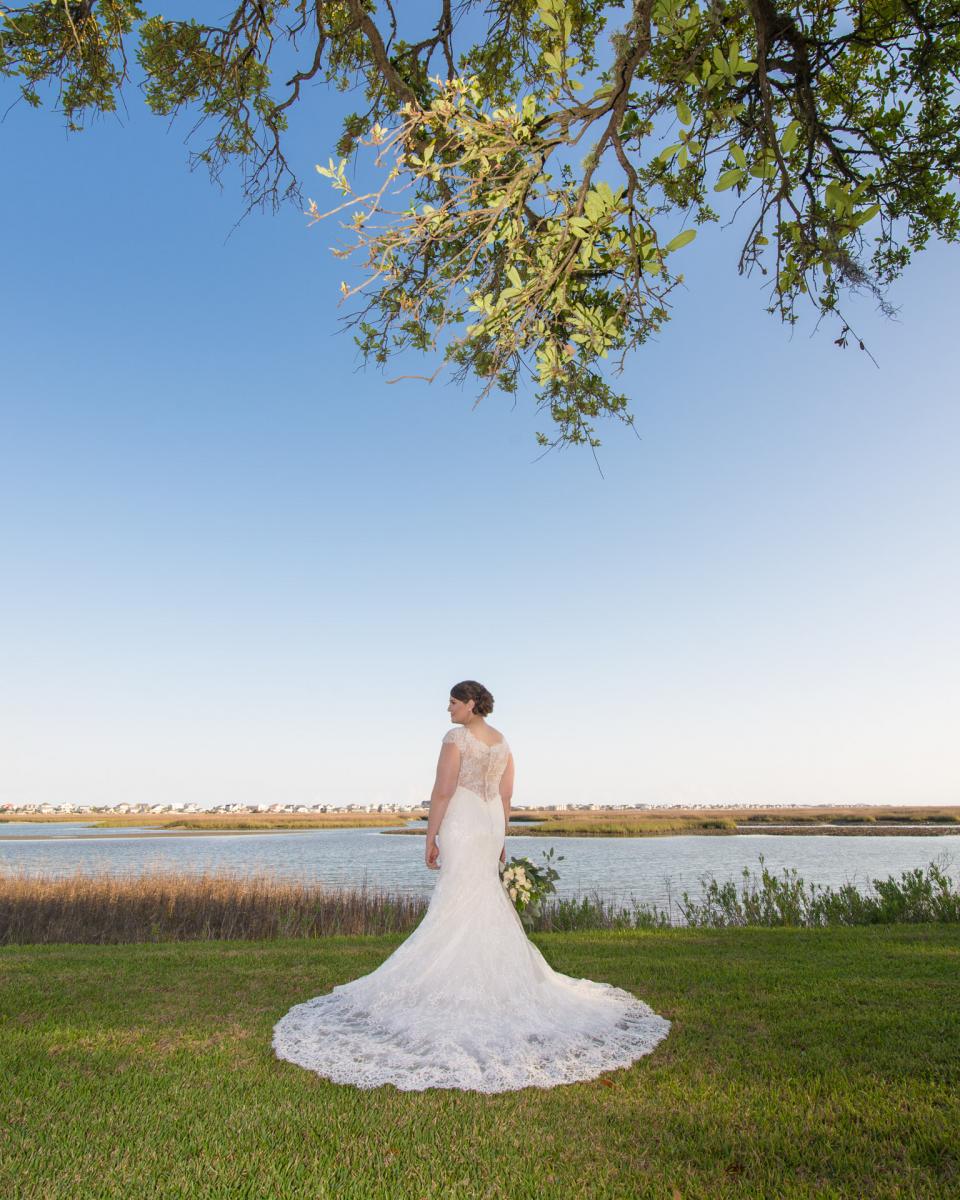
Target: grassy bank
x=670 y=821
x=620 y=823
x=258 y=822
x=169 y=906
x=667 y=822
x=801 y=1063
x=852 y=831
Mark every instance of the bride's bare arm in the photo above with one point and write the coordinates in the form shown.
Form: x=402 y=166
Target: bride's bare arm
x=445 y=784
x=506 y=795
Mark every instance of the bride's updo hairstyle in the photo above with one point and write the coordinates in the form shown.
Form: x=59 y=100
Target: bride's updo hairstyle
x=469 y=689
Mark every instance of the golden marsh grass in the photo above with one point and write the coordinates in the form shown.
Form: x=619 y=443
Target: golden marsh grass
x=172 y=906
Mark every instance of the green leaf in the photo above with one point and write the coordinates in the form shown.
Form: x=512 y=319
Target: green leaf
x=547 y=17
x=858 y=192
x=763 y=169
x=728 y=179
x=668 y=153
x=790 y=135
x=683 y=113
x=681 y=240
x=833 y=196
x=868 y=214
x=738 y=156
x=630 y=122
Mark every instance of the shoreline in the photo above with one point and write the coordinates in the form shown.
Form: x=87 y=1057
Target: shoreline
x=158 y=833
x=523 y=831
x=748 y=831
x=823 y=820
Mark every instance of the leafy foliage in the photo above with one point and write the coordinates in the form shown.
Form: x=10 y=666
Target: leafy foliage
x=920 y=895
x=528 y=885
x=832 y=125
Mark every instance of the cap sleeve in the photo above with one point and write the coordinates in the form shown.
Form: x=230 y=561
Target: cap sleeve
x=452 y=735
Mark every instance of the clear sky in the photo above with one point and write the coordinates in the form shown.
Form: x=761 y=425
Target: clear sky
x=237 y=567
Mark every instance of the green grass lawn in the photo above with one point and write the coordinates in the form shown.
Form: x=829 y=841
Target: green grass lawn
x=801 y=1062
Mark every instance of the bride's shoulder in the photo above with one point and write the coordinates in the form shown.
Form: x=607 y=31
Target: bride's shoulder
x=453 y=735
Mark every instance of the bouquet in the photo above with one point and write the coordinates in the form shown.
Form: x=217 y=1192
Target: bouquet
x=527 y=885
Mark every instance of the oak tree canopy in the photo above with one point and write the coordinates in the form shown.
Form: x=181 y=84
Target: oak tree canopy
x=542 y=166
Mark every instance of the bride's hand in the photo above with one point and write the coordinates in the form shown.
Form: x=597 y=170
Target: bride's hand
x=432 y=854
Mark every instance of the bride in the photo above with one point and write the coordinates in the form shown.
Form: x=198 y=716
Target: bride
x=468 y=1001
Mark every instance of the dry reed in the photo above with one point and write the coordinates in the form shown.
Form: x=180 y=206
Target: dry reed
x=166 y=906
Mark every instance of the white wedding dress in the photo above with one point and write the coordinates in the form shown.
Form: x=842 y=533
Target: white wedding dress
x=468 y=1001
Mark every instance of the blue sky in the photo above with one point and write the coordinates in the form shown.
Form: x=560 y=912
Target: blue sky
x=239 y=568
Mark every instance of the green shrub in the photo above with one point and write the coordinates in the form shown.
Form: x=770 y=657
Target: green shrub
x=923 y=894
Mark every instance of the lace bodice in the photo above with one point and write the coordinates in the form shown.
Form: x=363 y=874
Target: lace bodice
x=480 y=765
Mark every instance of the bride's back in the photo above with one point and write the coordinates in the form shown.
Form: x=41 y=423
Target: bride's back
x=482 y=764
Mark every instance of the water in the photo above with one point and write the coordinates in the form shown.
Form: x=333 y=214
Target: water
x=643 y=869
x=64 y=829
